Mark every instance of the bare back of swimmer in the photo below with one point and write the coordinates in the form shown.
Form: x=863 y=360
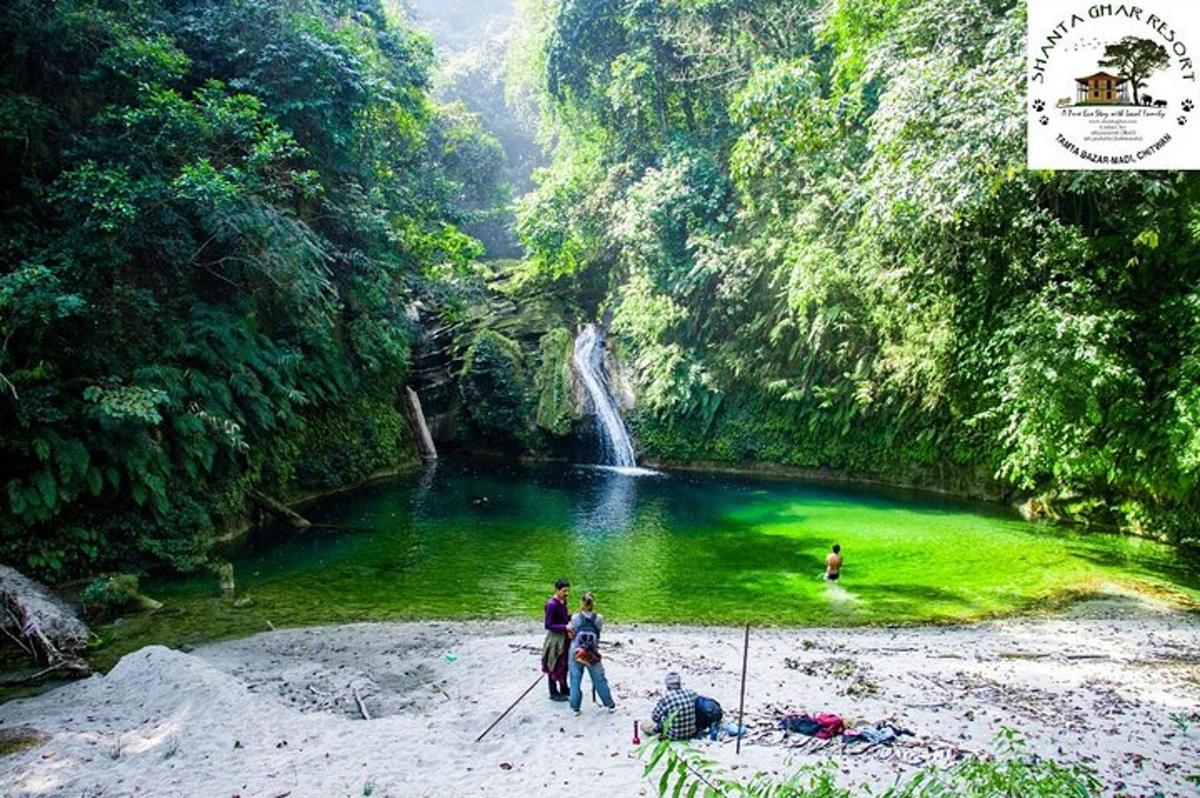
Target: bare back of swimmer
x=833 y=563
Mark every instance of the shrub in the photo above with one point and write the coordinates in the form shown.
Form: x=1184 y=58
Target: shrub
x=108 y=595
x=683 y=770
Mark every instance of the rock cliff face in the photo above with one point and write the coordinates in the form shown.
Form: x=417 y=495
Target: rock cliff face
x=46 y=625
x=618 y=380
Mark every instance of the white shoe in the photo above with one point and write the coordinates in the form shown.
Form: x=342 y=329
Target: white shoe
x=577 y=712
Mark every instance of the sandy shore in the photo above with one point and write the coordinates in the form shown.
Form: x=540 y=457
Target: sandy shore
x=274 y=714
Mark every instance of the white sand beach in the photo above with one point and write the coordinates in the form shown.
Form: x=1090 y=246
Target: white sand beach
x=274 y=715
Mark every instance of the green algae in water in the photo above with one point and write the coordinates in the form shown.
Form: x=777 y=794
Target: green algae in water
x=487 y=539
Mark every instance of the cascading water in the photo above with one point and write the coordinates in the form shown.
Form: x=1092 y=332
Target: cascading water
x=589 y=364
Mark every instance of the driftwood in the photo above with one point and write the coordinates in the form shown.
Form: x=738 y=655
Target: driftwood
x=362 y=708
x=44 y=627
x=282 y=510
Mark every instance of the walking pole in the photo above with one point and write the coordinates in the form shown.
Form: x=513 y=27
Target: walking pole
x=742 y=700
x=510 y=708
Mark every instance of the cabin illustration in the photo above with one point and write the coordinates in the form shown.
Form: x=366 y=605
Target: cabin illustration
x=1102 y=88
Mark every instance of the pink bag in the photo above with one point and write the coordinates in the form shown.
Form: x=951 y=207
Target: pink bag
x=831 y=726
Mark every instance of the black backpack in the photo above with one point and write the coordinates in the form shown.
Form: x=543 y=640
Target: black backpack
x=708 y=712
x=587 y=636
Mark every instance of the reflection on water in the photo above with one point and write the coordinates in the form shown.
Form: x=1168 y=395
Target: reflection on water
x=487 y=539
x=608 y=505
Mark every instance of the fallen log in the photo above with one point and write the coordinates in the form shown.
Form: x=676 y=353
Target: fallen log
x=280 y=509
x=420 y=430
x=42 y=625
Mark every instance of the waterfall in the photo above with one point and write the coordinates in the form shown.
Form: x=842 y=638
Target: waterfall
x=589 y=364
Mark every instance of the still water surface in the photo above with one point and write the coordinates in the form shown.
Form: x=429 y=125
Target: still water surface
x=483 y=539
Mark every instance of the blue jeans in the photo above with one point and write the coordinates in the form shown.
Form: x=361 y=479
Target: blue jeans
x=575 y=677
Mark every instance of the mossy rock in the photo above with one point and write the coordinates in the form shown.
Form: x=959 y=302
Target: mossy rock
x=494 y=388
x=553 y=383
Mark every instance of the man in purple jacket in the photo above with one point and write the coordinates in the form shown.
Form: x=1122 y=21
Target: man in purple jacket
x=554 y=649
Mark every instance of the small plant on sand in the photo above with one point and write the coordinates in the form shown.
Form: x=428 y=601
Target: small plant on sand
x=115 y=748
x=1183 y=721
x=683 y=770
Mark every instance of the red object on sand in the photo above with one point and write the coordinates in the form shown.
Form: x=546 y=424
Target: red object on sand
x=636 y=740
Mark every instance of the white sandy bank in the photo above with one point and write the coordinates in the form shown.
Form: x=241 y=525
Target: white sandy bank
x=274 y=715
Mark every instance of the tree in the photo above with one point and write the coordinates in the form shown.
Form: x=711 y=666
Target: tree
x=812 y=229
x=1136 y=59
x=214 y=220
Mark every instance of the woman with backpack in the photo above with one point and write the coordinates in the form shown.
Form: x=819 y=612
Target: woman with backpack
x=585 y=653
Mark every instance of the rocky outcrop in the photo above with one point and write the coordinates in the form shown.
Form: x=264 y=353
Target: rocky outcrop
x=44 y=626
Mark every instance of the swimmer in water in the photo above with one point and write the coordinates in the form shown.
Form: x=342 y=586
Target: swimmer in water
x=833 y=563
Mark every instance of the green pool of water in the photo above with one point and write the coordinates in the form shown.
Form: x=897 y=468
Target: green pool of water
x=487 y=539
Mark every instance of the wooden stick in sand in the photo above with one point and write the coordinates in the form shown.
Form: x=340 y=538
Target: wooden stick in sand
x=362 y=707
x=510 y=708
x=742 y=700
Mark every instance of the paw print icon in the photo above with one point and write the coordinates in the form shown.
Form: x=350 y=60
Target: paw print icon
x=1182 y=120
x=1039 y=106
x=1187 y=106
x=1045 y=120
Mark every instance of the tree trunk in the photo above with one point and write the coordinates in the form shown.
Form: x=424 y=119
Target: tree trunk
x=42 y=625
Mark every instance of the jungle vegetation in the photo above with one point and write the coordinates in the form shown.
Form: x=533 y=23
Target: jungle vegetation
x=220 y=220
x=813 y=231
x=231 y=232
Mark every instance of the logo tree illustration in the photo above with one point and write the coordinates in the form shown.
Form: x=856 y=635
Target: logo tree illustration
x=1136 y=59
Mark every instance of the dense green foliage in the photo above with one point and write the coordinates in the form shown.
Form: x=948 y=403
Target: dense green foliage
x=679 y=769
x=232 y=231
x=216 y=216
x=820 y=246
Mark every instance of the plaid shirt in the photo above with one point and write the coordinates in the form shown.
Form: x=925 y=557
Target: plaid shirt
x=681 y=703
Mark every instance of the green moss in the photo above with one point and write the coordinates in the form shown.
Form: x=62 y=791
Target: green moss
x=493 y=386
x=753 y=428
x=107 y=595
x=347 y=443
x=14 y=741
x=553 y=383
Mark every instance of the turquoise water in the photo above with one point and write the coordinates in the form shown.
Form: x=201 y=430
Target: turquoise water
x=487 y=540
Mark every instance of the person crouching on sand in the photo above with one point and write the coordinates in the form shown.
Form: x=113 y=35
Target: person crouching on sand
x=585 y=653
x=678 y=706
x=554 y=648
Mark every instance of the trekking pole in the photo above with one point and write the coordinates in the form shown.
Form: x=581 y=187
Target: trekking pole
x=742 y=700
x=510 y=708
